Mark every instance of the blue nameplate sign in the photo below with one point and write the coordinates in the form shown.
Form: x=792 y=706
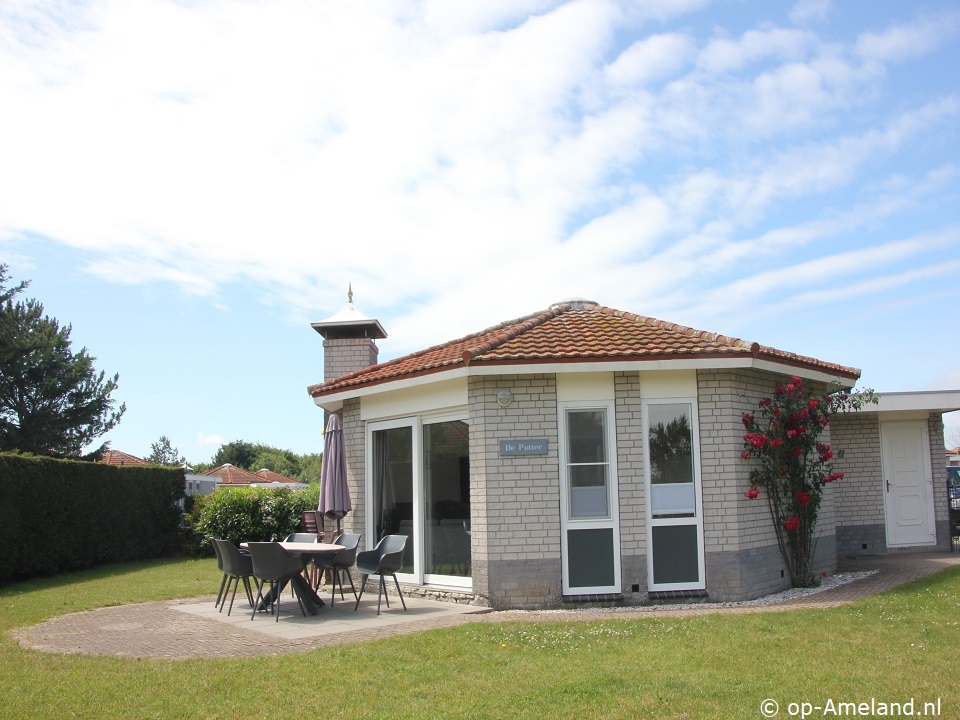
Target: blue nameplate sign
x=524 y=447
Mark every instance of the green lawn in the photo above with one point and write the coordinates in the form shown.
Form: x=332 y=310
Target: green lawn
x=893 y=647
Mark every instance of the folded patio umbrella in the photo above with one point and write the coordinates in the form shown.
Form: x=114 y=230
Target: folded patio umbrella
x=334 y=492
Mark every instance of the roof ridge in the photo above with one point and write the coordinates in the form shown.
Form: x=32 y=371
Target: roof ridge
x=753 y=347
x=433 y=348
x=516 y=328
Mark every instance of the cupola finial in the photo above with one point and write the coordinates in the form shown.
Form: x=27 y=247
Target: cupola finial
x=350 y=293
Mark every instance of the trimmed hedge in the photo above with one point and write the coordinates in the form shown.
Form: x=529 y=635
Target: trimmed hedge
x=252 y=514
x=62 y=515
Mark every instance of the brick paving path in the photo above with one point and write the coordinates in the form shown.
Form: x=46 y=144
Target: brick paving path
x=158 y=630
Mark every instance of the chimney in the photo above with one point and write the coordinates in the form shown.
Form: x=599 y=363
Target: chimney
x=348 y=340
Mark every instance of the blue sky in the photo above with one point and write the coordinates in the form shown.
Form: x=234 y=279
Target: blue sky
x=191 y=183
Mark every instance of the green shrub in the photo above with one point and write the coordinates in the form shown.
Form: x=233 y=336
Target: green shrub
x=251 y=514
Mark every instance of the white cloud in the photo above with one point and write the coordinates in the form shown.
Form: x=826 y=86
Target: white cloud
x=650 y=60
x=807 y=11
x=211 y=439
x=906 y=40
x=722 y=55
x=295 y=147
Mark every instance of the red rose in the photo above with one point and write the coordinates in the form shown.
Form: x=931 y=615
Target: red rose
x=747 y=419
x=813 y=404
x=835 y=476
x=745 y=455
x=793 y=524
x=803 y=498
x=752 y=494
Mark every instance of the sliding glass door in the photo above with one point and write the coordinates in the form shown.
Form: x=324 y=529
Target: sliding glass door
x=420 y=487
x=393 y=488
x=446 y=506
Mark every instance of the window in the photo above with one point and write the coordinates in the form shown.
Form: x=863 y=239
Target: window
x=671 y=461
x=587 y=464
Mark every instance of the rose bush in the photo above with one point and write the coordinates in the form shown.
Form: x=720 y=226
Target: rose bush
x=793 y=466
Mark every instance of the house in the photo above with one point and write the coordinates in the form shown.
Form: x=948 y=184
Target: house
x=120 y=458
x=269 y=478
x=231 y=475
x=228 y=475
x=893 y=497
x=518 y=459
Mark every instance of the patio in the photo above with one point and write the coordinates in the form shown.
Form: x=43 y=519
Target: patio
x=191 y=628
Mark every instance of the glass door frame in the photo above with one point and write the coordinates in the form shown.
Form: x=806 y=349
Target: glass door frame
x=415 y=423
x=612 y=519
x=456 y=581
x=697 y=521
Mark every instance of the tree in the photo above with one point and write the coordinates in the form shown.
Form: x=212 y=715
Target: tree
x=952 y=438
x=52 y=400
x=238 y=453
x=257 y=456
x=163 y=453
x=279 y=461
x=312 y=464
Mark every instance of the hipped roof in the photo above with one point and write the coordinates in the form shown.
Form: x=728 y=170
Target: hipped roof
x=232 y=475
x=118 y=457
x=574 y=332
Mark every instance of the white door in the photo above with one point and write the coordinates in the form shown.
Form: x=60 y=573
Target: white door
x=589 y=500
x=908 y=484
x=675 y=559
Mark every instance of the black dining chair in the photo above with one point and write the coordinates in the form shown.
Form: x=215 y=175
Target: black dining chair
x=341 y=562
x=301 y=537
x=385 y=559
x=304 y=537
x=272 y=564
x=223 y=582
x=236 y=567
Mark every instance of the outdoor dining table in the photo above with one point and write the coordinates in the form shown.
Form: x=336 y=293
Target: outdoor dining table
x=311 y=601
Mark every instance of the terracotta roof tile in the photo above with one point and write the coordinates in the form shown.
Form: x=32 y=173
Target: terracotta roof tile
x=117 y=457
x=232 y=475
x=576 y=331
x=271 y=476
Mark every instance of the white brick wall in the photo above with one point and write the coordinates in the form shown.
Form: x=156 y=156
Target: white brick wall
x=346 y=355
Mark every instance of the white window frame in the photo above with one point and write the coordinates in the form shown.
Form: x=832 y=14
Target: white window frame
x=416 y=423
x=612 y=520
x=697 y=520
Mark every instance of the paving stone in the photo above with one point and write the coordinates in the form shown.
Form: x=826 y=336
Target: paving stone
x=164 y=630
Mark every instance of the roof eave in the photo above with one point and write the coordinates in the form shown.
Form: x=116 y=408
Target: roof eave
x=845 y=378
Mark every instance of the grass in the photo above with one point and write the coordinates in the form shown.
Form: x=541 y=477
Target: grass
x=892 y=647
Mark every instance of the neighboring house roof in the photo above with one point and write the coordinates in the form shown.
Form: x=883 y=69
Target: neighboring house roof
x=232 y=475
x=271 y=476
x=117 y=457
x=575 y=331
